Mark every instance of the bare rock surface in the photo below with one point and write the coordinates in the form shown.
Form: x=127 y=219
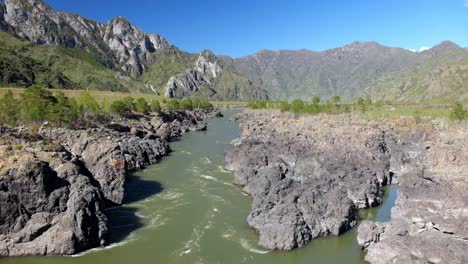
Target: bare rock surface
x=307 y=175
x=429 y=220
x=55 y=184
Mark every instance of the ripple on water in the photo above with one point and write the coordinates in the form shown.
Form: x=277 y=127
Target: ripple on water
x=246 y=245
x=129 y=239
x=193 y=245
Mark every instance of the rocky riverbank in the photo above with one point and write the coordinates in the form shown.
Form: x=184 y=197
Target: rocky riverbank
x=429 y=220
x=309 y=175
x=55 y=184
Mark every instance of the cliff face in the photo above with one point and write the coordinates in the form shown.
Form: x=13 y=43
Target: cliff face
x=55 y=185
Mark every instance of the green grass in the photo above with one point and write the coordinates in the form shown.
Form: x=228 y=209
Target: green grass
x=108 y=96
x=431 y=111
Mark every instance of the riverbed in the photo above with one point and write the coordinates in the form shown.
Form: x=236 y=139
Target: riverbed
x=186 y=210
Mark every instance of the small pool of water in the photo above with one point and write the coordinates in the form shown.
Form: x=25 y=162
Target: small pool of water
x=186 y=210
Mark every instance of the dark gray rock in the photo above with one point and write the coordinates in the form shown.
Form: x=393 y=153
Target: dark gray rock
x=307 y=176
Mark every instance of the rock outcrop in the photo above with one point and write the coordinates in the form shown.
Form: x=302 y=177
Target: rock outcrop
x=50 y=204
x=308 y=175
x=429 y=220
x=124 y=45
x=203 y=75
x=55 y=185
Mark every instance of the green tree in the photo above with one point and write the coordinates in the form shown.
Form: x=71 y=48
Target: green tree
x=155 y=105
x=336 y=99
x=129 y=103
x=297 y=106
x=284 y=106
x=458 y=112
x=9 y=109
x=88 y=103
x=362 y=104
x=186 y=103
x=35 y=103
x=316 y=100
x=64 y=110
x=172 y=104
x=142 y=106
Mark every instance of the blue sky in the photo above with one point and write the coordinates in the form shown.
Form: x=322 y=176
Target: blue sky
x=241 y=27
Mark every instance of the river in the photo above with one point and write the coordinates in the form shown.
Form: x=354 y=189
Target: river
x=186 y=210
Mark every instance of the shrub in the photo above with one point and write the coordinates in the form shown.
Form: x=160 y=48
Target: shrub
x=36 y=101
x=316 y=100
x=122 y=107
x=458 y=112
x=172 y=104
x=284 y=106
x=336 y=99
x=9 y=109
x=88 y=104
x=155 y=105
x=64 y=110
x=186 y=104
x=297 y=106
x=142 y=106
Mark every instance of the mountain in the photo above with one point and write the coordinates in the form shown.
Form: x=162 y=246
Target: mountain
x=62 y=50
x=357 y=69
x=440 y=77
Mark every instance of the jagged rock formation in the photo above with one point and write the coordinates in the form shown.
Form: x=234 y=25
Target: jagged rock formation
x=307 y=176
x=429 y=219
x=212 y=78
x=115 y=55
x=50 y=205
x=204 y=73
x=55 y=185
x=131 y=49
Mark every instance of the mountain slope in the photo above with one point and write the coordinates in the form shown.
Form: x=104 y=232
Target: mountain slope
x=62 y=50
x=341 y=71
x=357 y=69
x=441 y=77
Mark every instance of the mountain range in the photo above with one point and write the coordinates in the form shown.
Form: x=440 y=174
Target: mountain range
x=39 y=45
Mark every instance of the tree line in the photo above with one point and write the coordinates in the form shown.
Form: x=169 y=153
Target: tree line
x=315 y=106
x=335 y=106
x=37 y=104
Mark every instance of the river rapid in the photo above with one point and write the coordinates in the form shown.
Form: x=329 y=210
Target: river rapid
x=186 y=210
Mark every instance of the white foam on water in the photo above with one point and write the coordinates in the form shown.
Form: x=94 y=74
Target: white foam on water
x=229 y=233
x=157 y=221
x=246 y=246
x=206 y=160
x=208 y=177
x=114 y=245
x=221 y=169
x=140 y=215
x=186 y=152
x=170 y=195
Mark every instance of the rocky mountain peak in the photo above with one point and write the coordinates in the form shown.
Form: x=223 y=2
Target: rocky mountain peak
x=35 y=21
x=207 y=62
